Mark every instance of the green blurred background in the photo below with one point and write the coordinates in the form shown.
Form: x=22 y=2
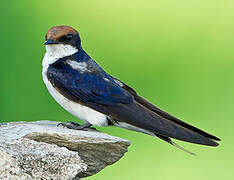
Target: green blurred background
x=178 y=54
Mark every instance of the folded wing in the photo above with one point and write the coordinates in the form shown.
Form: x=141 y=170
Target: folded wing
x=170 y=121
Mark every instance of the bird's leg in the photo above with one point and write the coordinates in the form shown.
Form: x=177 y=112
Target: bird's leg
x=77 y=126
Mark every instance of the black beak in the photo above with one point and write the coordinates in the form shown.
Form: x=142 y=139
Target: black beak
x=50 y=41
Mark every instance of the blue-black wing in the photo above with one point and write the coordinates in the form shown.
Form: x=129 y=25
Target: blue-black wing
x=162 y=113
x=147 y=116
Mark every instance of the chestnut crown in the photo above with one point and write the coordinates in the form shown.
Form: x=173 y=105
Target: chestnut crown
x=63 y=35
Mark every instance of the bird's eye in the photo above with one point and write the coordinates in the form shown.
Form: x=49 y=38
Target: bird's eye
x=69 y=36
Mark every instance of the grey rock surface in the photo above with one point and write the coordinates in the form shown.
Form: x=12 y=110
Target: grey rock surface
x=41 y=150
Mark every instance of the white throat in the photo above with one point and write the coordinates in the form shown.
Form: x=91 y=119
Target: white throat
x=57 y=51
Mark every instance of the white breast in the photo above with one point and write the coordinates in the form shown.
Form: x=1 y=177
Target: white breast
x=82 y=112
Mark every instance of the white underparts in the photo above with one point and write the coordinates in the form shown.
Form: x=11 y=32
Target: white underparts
x=53 y=53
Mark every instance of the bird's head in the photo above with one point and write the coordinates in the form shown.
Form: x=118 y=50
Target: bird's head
x=62 y=39
x=65 y=35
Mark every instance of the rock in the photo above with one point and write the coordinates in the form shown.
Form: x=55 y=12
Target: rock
x=34 y=150
x=31 y=159
x=9 y=168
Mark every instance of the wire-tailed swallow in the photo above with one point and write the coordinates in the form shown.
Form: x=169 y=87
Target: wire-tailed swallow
x=85 y=90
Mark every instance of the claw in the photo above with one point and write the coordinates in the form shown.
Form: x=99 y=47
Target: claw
x=68 y=124
x=76 y=126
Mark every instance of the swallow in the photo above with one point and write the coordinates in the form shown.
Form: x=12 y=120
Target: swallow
x=86 y=91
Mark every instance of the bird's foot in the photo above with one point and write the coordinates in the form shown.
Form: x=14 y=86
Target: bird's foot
x=77 y=126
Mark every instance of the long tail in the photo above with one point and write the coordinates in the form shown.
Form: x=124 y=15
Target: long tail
x=169 y=117
x=141 y=117
x=164 y=115
x=167 y=139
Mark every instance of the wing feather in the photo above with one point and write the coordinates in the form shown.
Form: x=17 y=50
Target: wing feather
x=87 y=87
x=141 y=117
x=162 y=113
